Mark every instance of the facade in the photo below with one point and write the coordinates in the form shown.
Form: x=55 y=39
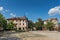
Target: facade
x=45 y=21
x=21 y=23
x=54 y=21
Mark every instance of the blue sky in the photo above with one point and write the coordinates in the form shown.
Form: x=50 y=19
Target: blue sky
x=33 y=9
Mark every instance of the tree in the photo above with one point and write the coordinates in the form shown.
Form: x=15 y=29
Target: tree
x=30 y=24
x=3 y=22
x=49 y=25
x=10 y=25
x=39 y=24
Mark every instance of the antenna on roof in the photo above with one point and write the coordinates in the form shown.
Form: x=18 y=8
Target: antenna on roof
x=25 y=14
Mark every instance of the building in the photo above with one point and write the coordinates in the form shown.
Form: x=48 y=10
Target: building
x=45 y=21
x=54 y=21
x=21 y=23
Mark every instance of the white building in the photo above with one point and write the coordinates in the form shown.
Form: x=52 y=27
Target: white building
x=45 y=21
x=54 y=21
x=21 y=23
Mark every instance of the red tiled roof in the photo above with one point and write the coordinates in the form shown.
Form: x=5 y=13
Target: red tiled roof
x=18 y=18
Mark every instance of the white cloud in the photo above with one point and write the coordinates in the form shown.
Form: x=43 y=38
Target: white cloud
x=54 y=11
x=1 y=8
x=12 y=15
x=6 y=10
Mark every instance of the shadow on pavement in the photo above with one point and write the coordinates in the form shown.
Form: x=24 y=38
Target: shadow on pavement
x=10 y=38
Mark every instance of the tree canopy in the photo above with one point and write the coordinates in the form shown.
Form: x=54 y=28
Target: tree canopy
x=10 y=25
x=30 y=24
x=3 y=21
x=49 y=25
x=39 y=24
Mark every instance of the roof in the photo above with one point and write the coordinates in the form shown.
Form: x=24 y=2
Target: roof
x=50 y=19
x=18 y=18
x=53 y=19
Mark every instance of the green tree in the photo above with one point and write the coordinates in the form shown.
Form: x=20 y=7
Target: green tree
x=39 y=24
x=10 y=25
x=3 y=22
x=49 y=25
x=30 y=24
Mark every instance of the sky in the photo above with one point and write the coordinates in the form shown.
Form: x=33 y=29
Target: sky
x=33 y=9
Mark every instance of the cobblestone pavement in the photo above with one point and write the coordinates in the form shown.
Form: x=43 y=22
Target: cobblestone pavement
x=18 y=36
x=32 y=35
x=9 y=36
x=50 y=34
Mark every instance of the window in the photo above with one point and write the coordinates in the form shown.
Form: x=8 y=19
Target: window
x=23 y=28
x=20 y=20
x=23 y=23
x=23 y=20
x=19 y=28
x=20 y=23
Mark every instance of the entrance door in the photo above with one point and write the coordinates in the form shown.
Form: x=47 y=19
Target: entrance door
x=19 y=28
